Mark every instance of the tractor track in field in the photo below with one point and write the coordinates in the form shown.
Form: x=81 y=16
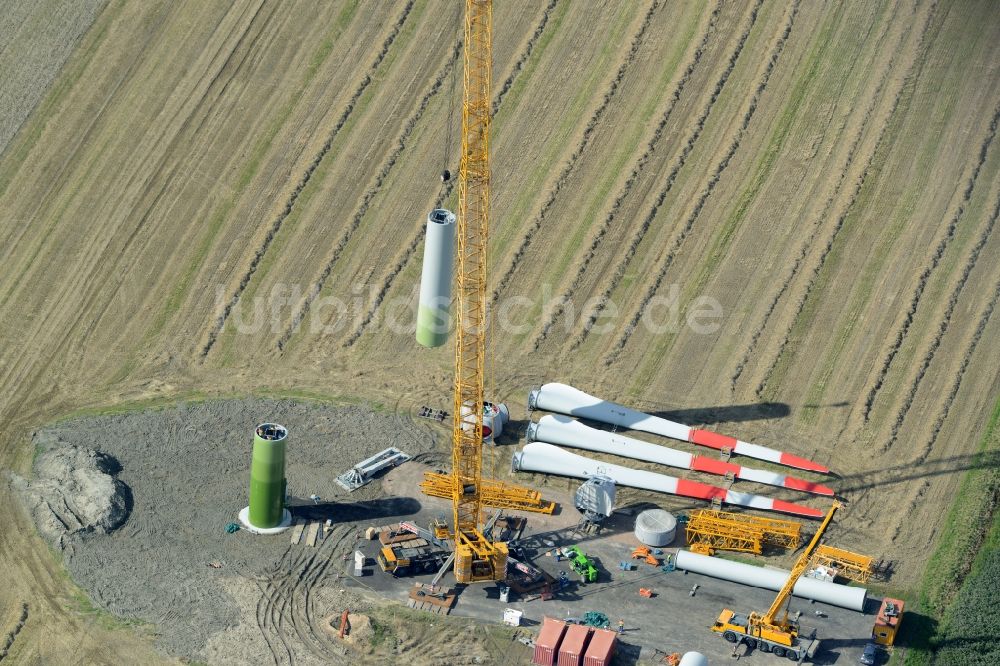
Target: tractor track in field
x=816 y=227
x=637 y=169
x=86 y=306
x=671 y=178
x=410 y=249
x=11 y=636
x=522 y=60
x=569 y=168
x=723 y=164
x=925 y=275
x=956 y=385
x=849 y=207
x=943 y=327
x=402 y=142
x=254 y=48
x=304 y=181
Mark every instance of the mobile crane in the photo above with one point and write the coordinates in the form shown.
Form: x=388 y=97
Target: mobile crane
x=767 y=632
x=476 y=557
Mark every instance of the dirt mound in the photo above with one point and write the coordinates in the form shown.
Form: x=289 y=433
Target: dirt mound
x=74 y=490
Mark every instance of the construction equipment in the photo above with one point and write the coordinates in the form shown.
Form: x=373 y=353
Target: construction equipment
x=709 y=530
x=852 y=566
x=890 y=616
x=422 y=533
x=343 y=623
x=768 y=632
x=476 y=557
x=440 y=528
x=596 y=619
x=581 y=564
x=495 y=494
x=402 y=560
x=645 y=554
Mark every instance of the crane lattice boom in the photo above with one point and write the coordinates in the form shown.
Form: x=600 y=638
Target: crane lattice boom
x=476 y=558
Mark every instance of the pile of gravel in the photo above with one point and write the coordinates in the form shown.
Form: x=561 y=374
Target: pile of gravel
x=74 y=490
x=188 y=468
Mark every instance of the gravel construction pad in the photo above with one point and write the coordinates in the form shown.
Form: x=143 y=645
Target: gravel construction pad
x=188 y=468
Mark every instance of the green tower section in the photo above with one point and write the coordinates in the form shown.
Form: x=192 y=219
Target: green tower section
x=267 y=476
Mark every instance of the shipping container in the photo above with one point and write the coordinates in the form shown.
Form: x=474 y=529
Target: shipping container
x=547 y=645
x=601 y=649
x=573 y=645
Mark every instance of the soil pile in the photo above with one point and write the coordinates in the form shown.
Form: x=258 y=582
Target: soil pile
x=74 y=490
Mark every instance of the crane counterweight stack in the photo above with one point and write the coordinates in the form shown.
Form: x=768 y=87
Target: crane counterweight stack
x=476 y=558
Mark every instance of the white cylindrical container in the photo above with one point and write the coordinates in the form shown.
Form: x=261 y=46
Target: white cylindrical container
x=495 y=417
x=693 y=659
x=435 y=279
x=656 y=527
x=852 y=598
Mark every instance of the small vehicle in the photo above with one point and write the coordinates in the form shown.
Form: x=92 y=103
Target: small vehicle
x=870 y=656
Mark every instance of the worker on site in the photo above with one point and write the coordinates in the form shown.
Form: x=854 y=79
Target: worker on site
x=621 y=626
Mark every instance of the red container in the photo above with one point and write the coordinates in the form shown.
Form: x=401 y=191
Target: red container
x=572 y=649
x=601 y=649
x=548 y=642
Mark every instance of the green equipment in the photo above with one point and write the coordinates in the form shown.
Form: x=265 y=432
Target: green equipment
x=581 y=564
x=596 y=619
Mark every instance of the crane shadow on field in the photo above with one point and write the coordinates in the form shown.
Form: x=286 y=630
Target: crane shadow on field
x=909 y=471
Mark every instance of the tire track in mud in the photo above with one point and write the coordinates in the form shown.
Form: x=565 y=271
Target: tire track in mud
x=304 y=180
x=849 y=207
x=943 y=327
x=570 y=166
x=925 y=275
x=288 y=601
x=671 y=178
x=810 y=241
x=401 y=144
x=723 y=164
x=411 y=247
x=268 y=594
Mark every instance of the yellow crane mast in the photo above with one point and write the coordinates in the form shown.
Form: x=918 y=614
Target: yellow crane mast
x=476 y=558
x=767 y=631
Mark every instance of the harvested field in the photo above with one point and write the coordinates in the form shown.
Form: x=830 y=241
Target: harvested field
x=698 y=207
x=36 y=38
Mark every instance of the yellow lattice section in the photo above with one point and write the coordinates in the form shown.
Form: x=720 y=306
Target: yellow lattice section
x=496 y=494
x=852 y=566
x=709 y=530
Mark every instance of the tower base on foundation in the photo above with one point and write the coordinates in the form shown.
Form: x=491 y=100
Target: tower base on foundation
x=286 y=522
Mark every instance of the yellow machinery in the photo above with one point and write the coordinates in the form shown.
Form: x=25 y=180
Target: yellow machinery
x=768 y=632
x=403 y=560
x=709 y=530
x=495 y=494
x=476 y=558
x=852 y=566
